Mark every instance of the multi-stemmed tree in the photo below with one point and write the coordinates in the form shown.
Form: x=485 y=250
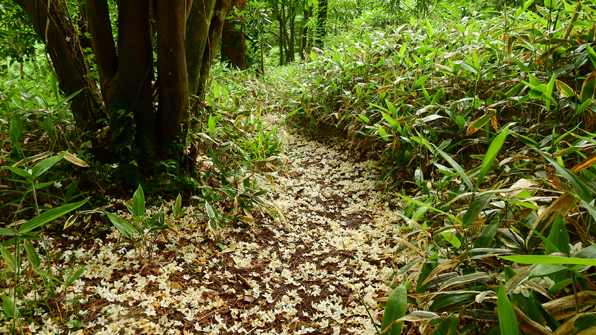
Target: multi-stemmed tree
x=152 y=60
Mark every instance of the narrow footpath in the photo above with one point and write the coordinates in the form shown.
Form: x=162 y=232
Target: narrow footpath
x=308 y=273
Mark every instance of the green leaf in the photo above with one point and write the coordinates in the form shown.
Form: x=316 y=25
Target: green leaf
x=8 y=259
x=582 y=107
x=138 y=204
x=395 y=310
x=476 y=207
x=448 y=326
x=9 y=307
x=558 y=237
x=31 y=253
x=491 y=154
x=454 y=299
x=486 y=237
x=420 y=203
x=587 y=252
x=20 y=172
x=177 y=205
x=48 y=216
x=42 y=167
x=544 y=270
x=211 y=124
x=74 y=276
x=210 y=211
x=540 y=259
x=527 y=4
x=47 y=275
x=451 y=237
x=390 y=120
x=6 y=232
x=457 y=168
x=427 y=269
x=383 y=133
x=507 y=319
x=419 y=82
x=577 y=184
x=124 y=227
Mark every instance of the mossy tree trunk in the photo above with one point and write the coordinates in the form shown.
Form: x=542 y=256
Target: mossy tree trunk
x=321 y=31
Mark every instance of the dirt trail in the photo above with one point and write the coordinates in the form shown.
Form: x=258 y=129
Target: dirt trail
x=304 y=274
x=301 y=276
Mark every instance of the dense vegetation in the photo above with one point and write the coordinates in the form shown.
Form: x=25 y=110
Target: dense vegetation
x=480 y=116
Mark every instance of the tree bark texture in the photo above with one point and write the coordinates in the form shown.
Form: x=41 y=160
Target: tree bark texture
x=69 y=60
x=233 y=43
x=219 y=17
x=187 y=35
x=171 y=70
x=197 y=33
x=321 y=23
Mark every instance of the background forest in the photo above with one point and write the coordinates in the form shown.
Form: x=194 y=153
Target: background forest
x=140 y=122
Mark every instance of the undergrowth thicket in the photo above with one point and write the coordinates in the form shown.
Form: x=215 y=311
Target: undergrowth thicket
x=45 y=173
x=484 y=126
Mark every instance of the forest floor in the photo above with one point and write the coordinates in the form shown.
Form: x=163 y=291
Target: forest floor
x=310 y=272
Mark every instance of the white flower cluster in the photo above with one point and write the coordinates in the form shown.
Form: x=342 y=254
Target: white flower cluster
x=306 y=273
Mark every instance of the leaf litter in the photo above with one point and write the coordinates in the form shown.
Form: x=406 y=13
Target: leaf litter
x=308 y=273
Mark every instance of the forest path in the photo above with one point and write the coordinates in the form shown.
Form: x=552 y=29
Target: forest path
x=308 y=273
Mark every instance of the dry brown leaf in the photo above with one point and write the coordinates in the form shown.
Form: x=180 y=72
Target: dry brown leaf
x=75 y=160
x=581 y=324
x=564 y=307
x=445 y=266
x=528 y=325
x=520 y=277
x=585 y=164
x=477 y=125
x=560 y=206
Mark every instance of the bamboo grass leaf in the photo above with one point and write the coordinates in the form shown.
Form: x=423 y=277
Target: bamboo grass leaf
x=395 y=310
x=124 y=227
x=491 y=155
x=507 y=319
x=48 y=216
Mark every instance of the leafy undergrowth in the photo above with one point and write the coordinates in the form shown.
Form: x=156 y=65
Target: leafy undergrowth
x=484 y=127
x=318 y=268
x=43 y=177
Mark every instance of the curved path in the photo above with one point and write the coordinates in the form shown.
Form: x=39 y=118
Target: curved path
x=307 y=274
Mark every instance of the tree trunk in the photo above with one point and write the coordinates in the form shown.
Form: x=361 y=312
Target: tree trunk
x=187 y=37
x=321 y=24
x=197 y=32
x=172 y=74
x=129 y=93
x=68 y=58
x=233 y=43
x=219 y=17
x=303 y=45
x=292 y=32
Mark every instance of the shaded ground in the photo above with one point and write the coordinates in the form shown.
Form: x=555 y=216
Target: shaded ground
x=309 y=273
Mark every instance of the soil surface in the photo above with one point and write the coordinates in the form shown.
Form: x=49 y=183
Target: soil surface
x=310 y=272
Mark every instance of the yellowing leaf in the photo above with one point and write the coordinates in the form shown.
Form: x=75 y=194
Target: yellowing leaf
x=584 y=165
x=565 y=89
x=589 y=88
x=477 y=125
x=75 y=160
